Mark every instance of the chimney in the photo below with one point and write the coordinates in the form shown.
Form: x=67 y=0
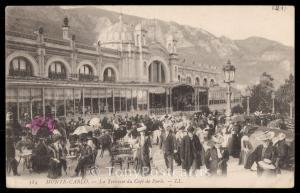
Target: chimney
x=65 y=29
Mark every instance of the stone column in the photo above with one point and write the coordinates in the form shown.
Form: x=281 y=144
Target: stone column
x=166 y=90
x=113 y=95
x=83 y=113
x=171 y=106
x=43 y=101
x=148 y=101
x=159 y=72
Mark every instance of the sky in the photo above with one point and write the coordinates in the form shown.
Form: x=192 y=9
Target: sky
x=235 y=22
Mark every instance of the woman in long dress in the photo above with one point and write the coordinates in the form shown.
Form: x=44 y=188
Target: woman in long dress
x=144 y=152
x=246 y=149
x=55 y=164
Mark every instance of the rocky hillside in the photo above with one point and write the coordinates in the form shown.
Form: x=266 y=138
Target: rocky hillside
x=196 y=46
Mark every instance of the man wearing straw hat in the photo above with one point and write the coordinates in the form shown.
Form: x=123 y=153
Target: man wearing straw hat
x=264 y=155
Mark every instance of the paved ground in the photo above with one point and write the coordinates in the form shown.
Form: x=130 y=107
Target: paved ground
x=236 y=173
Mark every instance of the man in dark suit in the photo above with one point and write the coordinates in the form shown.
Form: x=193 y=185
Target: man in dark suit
x=12 y=163
x=86 y=158
x=191 y=152
x=282 y=151
x=169 y=147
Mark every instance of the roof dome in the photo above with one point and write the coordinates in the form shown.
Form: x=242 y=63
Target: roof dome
x=119 y=32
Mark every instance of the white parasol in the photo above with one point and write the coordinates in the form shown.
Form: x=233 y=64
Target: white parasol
x=95 y=122
x=82 y=129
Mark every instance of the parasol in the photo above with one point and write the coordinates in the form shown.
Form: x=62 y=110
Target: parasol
x=95 y=122
x=259 y=130
x=38 y=122
x=82 y=129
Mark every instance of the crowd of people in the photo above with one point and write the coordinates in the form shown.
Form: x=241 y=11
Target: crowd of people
x=201 y=141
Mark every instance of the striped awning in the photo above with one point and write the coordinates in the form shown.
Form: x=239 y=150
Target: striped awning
x=11 y=95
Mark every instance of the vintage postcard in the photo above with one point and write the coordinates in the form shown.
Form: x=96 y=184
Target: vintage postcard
x=150 y=96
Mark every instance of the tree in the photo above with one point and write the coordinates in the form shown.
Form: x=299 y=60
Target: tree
x=261 y=94
x=285 y=95
x=237 y=109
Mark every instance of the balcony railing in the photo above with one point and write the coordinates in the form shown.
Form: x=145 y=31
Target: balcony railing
x=22 y=35
x=87 y=77
x=20 y=73
x=57 y=76
x=55 y=41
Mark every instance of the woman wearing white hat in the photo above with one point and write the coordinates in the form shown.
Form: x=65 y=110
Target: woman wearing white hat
x=144 y=152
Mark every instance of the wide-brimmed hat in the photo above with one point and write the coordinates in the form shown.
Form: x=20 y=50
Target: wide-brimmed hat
x=268 y=135
x=281 y=136
x=190 y=129
x=266 y=164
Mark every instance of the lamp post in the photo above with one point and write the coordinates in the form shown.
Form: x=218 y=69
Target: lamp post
x=248 y=94
x=273 y=102
x=229 y=73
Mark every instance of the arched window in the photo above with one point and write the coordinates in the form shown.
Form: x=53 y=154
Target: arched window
x=138 y=40
x=145 y=68
x=188 y=80
x=197 y=81
x=204 y=82
x=109 y=75
x=212 y=83
x=178 y=78
x=20 y=66
x=85 y=72
x=57 y=71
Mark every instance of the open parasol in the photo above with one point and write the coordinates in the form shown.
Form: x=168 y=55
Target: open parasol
x=95 y=122
x=82 y=129
x=259 y=130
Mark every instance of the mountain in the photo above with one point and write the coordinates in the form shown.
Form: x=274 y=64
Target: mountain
x=251 y=56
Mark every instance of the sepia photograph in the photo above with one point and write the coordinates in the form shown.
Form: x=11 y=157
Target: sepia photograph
x=150 y=96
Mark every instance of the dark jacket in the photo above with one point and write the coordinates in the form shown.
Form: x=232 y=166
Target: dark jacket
x=258 y=155
x=212 y=161
x=282 y=152
x=169 y=144
x=191 y=149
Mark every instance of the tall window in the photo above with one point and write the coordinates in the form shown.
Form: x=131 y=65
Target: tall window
x=178 y=78
x=57 y=71
x=20 y=67
x=109 y=75
x=145 y=68
x=204 y=82
x=212 y=83
x=189 y=80
x=85 y=72
x=197 y=81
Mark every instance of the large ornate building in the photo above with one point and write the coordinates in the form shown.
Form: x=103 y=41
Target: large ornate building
x=121 y=73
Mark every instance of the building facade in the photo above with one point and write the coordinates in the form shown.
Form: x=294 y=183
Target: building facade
x=120 y=73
